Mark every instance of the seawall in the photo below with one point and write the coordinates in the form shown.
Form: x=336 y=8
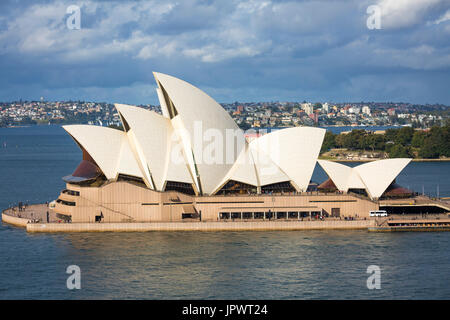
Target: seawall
x=200 y=226
x=15 y=221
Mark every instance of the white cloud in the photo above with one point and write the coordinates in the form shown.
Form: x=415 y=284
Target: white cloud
x=253 y=6
x=152 y=50
x=215 y=53
x=445 y=17
x=293 y=45
x=404 y=13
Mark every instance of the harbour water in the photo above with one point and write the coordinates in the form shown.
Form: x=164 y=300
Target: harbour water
x=216 y=265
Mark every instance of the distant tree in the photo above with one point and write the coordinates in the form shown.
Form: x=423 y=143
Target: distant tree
x=446 y=140
x=388 y=146
x=429 y=151
x=374 y=141
x=399 y=151
x=415 y=124
x=339 y=140
x=404 y=136
x=27 y=120
x=418 y=139
x=432 y=144
x=328 y=142
x=355 y=139
x=396 y=142
x=436 y=143
x=390 y=135
x=3 y=122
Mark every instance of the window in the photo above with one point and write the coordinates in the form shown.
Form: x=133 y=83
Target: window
x=236 y=187
x=279 y=187
x=182 y=187
x=66 y=203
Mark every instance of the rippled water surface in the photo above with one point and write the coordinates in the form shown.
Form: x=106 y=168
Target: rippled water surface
x=207 y=265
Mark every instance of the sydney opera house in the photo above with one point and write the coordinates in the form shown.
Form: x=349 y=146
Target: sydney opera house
x=194 y=163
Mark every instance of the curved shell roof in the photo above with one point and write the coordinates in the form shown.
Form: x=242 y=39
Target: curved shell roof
x=108 y=147
x=375 y=176
x=153 y=135
x=337 y=172
x=294 y=151
x=201 y=116
x=244 y=170
x=375 y=182
x=190 y=143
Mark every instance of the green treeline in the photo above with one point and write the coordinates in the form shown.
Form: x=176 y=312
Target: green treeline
x=398 y=143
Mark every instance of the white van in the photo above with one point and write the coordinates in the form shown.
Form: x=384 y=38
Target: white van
x=378 y=213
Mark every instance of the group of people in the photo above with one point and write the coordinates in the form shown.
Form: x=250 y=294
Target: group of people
x=22 y=206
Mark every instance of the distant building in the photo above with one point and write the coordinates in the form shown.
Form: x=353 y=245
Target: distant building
x=308 y=108
x=345 y=110
x=353 y=110
x=366 y=110
x=314 y=117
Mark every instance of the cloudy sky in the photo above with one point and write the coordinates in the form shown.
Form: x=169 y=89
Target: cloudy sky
x=234 y=50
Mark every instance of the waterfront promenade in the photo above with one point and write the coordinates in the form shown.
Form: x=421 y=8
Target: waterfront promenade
x=33 y=218
x=29 y=214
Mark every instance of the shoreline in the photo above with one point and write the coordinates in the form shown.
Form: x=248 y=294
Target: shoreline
x=207 y=226
x=200 y=226
x=370 y=160
x=371 y=225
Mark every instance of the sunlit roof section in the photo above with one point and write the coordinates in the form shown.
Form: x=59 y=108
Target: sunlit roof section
x=152 y=134
x=375 y=177
x=104 y=145
x=378 y=175
x=200 y=115
x=196 y=142
x=294 y=151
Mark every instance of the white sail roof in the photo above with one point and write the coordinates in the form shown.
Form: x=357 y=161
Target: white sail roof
x=126 y=163
x=196 y=141
x=294 y=151
x=338 y=172
x=375 y=177
x=107 y=147
x=267 y=171
x=153 y=135
x=176 y=165
x=203 y=119
x=244 y=170
x=283 y=155
x=378 y=175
